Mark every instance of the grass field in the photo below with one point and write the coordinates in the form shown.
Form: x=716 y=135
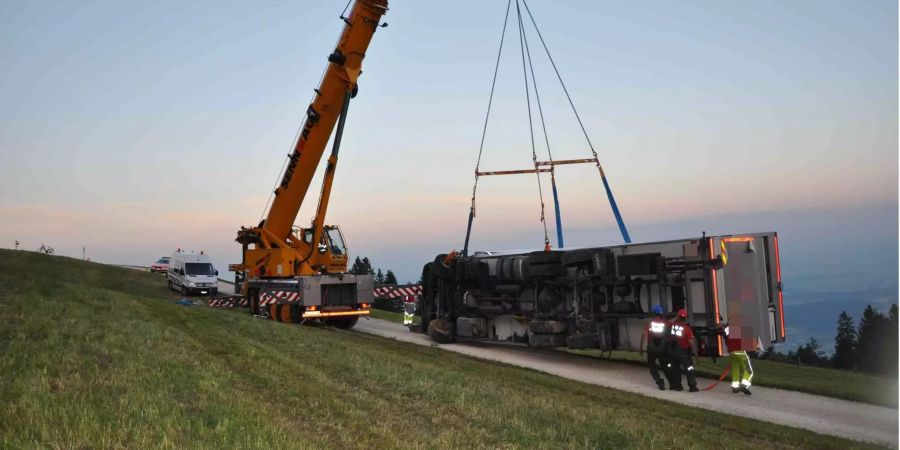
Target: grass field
x=98 y=356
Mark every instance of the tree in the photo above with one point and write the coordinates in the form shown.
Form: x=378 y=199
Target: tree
x=390 y=278
x=379 y=277
x=811 y=354
x=845 y=343
x=871 y=342
x=356 y=268
x=368 y=266
x=889 y=362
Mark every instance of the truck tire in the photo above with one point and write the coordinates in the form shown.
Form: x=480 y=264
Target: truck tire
x=345 y=323
x=441 y=331
x=545 y=264
x=438 y=269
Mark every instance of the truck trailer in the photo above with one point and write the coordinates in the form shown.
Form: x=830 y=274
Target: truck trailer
x=601 y=297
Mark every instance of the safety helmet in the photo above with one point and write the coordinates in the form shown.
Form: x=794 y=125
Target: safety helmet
x=656 y=309
x=682 y=313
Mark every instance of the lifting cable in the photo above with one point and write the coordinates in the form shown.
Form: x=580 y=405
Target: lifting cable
x=537 y=173
x=484 y=130
x=537 y=96
x=609 y=194
x=539 y=166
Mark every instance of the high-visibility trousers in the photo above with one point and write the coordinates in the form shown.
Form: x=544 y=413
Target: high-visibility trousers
x=741 y=370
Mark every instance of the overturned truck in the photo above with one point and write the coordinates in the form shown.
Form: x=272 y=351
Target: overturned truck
x=601 y=297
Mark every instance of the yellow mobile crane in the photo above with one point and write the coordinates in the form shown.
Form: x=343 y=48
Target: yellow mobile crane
x=294 y=274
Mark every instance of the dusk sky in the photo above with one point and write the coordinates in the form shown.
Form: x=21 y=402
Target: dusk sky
x=134 y=128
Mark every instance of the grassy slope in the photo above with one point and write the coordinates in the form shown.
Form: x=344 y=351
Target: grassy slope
x=97 y=356
x=841 y=384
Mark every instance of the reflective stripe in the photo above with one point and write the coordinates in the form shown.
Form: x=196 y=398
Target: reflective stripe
x=691 y=368
x=735 y=384
x=677 y=330
x=657 y=327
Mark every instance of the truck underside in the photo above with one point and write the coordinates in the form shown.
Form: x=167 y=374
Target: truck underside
x=600 y=297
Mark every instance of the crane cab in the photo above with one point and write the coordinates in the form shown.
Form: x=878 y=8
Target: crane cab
x=332 y=248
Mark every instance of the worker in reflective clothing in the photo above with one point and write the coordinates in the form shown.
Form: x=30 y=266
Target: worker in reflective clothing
x=741 y=370
x=654 y=337
x=683 y=347
x=409 y=309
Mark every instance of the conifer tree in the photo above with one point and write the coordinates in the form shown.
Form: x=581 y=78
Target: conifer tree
x=845 y=343
x=390 y=278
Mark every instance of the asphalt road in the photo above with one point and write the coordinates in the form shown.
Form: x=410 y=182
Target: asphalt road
x=853 y=420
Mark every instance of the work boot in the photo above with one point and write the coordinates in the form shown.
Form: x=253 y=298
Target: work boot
x=662 y=386
x=676 y=388
x=694 y=389
x=735 y=390
x=745 y=390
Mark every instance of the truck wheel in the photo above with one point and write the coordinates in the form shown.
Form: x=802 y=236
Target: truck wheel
x=345 y=323
x=441 y=331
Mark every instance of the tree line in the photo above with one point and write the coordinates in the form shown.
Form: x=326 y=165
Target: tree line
x=362 y=266
x=870 y=346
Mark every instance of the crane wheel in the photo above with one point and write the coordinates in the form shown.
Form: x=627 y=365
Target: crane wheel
x=253 y=300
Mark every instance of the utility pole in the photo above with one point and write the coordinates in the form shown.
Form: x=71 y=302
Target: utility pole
x=17 y=245
x=82 y=252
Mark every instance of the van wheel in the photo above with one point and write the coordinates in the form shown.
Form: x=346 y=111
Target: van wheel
x=184 y=291
x=169 y=282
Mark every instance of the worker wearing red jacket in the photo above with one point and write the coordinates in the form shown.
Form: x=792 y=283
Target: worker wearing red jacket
x=683 y=347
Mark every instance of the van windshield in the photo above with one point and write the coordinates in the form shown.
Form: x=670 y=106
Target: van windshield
x=198 y=269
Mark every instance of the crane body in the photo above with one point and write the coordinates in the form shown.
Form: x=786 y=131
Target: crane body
x=300 y=273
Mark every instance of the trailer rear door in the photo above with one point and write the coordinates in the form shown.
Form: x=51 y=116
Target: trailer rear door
x=750 y=295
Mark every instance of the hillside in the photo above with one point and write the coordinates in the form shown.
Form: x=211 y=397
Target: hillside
x=98 y=356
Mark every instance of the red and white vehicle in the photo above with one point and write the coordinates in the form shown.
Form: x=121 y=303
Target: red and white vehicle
x=161 y=265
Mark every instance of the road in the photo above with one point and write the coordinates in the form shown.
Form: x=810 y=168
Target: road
x=853 y=420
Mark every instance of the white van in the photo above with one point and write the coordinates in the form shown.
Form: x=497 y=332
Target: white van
x=192 y=273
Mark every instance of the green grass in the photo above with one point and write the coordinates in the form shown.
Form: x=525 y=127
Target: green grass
x=392 y=316
x=93 y=356
x=843 y=384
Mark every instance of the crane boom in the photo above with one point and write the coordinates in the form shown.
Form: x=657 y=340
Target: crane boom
x=340 y=78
